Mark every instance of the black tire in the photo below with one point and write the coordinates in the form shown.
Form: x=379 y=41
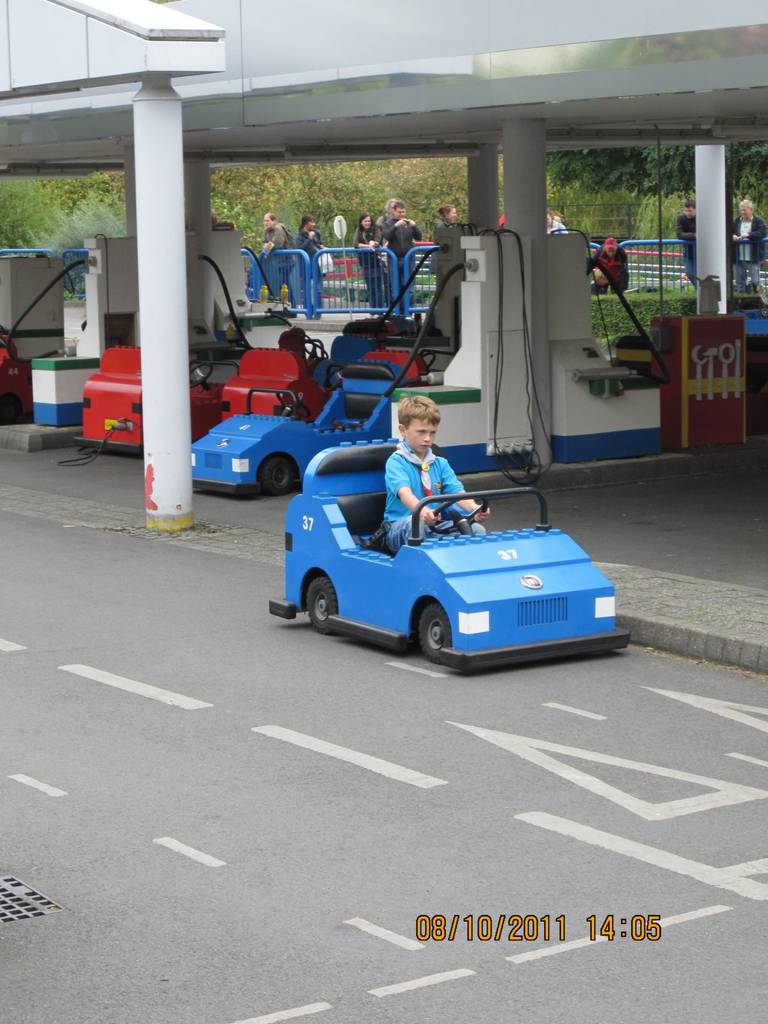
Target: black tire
x=277 y=475
x=10 y=409
x=321 y=602
x=434 y=631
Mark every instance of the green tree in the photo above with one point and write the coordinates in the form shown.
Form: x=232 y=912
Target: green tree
x=24 y=214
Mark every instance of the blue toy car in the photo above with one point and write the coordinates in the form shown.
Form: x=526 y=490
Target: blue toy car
x=472 y=602
x=251 y=454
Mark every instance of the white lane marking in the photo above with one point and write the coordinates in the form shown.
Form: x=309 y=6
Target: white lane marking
x=297 y=1011
x=566 y=947
x=730 y=878
x=373 y=764
x=429 y=979
x=722 y=793
x=8 y=646
x=416 y=668
x=27 y=780
x=177 y=700
x=190 y=851
x=749 y=759
x=574 y=711
x=384 y=933
x=748 y=868
x=724 y=708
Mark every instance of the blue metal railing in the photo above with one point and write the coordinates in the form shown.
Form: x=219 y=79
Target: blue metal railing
x=353 y=280
x=74 y=281
x=281 y=268
x=422 y=290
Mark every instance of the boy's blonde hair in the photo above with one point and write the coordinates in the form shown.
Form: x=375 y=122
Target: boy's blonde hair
x=417 y=407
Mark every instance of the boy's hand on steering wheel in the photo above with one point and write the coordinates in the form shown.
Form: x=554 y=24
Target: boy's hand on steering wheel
x=482 y=514
x=429 y=516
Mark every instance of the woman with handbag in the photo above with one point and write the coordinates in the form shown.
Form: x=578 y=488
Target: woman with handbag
x=373 y=262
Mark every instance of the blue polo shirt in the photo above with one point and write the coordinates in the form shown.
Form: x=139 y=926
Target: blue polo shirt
x=399 y=472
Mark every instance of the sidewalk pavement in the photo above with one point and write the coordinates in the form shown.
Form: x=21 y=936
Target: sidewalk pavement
x=698 y=618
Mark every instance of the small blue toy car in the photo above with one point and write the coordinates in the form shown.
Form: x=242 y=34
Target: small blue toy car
x=471 y=601
x=253 y=454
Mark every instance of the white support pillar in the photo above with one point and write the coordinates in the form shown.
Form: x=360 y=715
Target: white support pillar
x=712 y=228
x=162 y=265
x=525 y=211
x=483 y=186
x=197 y=187
x=129 y=176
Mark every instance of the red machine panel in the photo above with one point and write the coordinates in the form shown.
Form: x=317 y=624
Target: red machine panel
x=274 y=371
x=705 y=400
x=15 y=387
x=114 y=395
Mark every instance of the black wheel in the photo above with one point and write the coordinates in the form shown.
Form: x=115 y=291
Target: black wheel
x=321 y=602
x=434 y=631
x=10 y=409
x=277 y=475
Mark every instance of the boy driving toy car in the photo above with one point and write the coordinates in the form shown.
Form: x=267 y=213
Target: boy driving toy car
x=414 y=472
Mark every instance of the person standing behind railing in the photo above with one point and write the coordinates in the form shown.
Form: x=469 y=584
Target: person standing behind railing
x=399 y=232
x=372 y=263
x=277 y=268
x=610 y=267
x=748 y=232
x=685 y=229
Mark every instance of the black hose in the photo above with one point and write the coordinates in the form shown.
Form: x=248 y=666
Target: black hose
x=235 y=320
x=8 y=341
x=426 y=324
x=257 y=261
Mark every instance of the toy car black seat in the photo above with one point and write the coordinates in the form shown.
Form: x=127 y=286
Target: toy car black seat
x=355 y=475
x=363 y=384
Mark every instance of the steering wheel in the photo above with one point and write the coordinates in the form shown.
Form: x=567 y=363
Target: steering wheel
x=199 y=374
x=290 y=409
x=315 y=349
x=460 y=523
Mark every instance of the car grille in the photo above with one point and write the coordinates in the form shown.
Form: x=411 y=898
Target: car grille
x=212 y=461
x=540 y=611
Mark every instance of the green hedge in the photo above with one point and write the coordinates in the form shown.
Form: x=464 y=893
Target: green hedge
x=646 y=306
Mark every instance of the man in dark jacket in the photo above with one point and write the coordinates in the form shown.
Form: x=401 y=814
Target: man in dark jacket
x=748 y=232
x=399 y=232
x=686 y=232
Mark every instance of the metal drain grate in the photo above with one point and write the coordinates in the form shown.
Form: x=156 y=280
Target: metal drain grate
x=18 y=901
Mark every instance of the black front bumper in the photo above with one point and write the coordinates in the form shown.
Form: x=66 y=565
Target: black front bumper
x=283 y=609
x=474 y=661
x=110 y=446
x=222 y=487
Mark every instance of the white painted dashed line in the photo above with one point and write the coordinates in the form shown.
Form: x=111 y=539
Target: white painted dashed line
x=416 y=668
x=749 y=759
x=297 y=1011
x=27 y=780
x=429 y=979
x=575 y=711
x=8 y=647
x=384 y=933
x=567 y=947
x=371 y=764
x=177 y=700
x=190 y=851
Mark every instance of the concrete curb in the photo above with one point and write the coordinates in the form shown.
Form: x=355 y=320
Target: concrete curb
x=31 y=437
x=697 y=618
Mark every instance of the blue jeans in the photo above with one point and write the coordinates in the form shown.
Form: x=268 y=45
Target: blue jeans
x=400 y=530
x=747 y=275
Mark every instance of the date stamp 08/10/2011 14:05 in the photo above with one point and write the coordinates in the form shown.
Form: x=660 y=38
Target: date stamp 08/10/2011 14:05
x=533 y=928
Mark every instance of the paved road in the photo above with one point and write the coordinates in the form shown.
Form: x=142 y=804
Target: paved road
x=714 y=527
x=272 y=840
